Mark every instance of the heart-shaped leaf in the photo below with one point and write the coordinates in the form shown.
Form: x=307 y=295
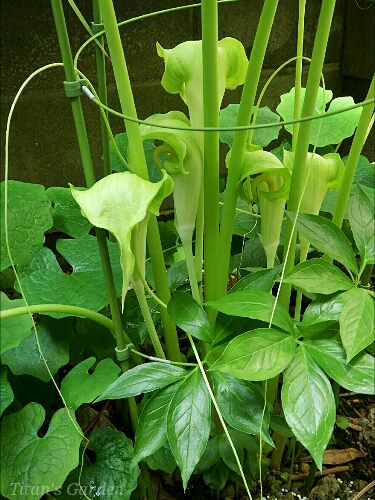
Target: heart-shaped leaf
x=54 y=337
x=16 y=328
x=29 y=217
x=6 y=393
x=112 y=476
x=43 y=281
x=80 y=387
x=32 y=466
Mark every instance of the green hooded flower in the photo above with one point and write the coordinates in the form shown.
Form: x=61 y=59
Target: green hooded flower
x=184 y=72
x=119 y=203
x=271 y=188
x=325 y=174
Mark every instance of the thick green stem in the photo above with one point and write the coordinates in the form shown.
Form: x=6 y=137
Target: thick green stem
x=300 y=172
x=355 y=151
x=277 y=453
x=190 y=264
x=162 y=288
x=141 y=296
x=239 y=141
x=102 y=88
x=298 y=78
x=211 y=107
x=138 y=161
x=87 y=165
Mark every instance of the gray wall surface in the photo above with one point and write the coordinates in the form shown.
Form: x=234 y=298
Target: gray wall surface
x=43 y=145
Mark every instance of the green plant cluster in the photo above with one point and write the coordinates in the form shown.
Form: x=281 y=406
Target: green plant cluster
x=256 y=298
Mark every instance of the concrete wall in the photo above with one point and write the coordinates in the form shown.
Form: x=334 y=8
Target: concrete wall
x=43 y=146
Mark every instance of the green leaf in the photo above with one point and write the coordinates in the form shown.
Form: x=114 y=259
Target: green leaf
x=152 y=425
x=279 y=425
x=112 y=476
x=241 y=405
x=357 y=321
x=186 y=313
x=257 y=355
x=54 y=337
x=143 y=378
x=326 y=237
x=259 y=280
x=323 y=330
x=6 y=393
x=13 y=330
x=118 y=202
x=210 y=456
x=361 y=218
x=254 y=304
x=226 y=452
x=308 y=404
x=95 y=337
x=261 y=137
x=333 y=129
x=38 y=465
x=226 y=326
x=29 y=216
x=67 y=216
x=324 y=309
x=217 y=476
x=44 y=282
x=188 y=423
x=162 y=459
x=318 y=276
x=177 y=275
x=357 y=375
x=80 y=387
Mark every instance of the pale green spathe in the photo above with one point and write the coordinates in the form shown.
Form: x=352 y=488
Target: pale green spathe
x=118 y=203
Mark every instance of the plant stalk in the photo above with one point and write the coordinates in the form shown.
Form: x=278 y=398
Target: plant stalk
x=137 y=158
x=355 y=151
x=300 y=172
x=211 y=106
x=239 y=141
x=102 y=90
x=298 y=78
x=88 y=168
